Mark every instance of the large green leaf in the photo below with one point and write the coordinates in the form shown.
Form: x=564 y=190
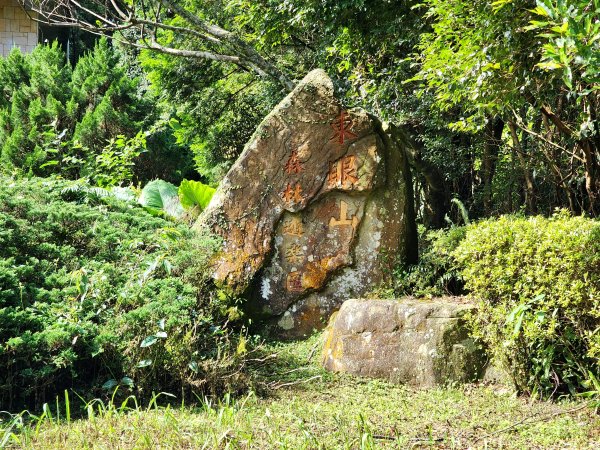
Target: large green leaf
x=161 y=196
x=193 y=193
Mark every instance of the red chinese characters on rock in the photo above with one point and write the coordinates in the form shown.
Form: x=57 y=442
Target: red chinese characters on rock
x=343 y=173
x=293 y=164
x=342 y=126
x=294 y=282
x=292 y=194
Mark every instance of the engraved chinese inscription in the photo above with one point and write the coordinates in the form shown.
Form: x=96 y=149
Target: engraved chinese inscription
x=343 y=172
x=294 y=253
x=341 y=127
x=293 y=227
x=293 y=164
x=292 y=194
x=294 y=282
x=344 y=219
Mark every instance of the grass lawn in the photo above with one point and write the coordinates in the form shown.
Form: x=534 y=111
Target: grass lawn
x=306 y=408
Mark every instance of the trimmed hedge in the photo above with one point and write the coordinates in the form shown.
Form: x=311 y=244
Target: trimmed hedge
x=539 y=284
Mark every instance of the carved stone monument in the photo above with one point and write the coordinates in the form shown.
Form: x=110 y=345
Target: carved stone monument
x=316 y=210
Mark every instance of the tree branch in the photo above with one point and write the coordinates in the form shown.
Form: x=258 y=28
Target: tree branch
x=106 y=17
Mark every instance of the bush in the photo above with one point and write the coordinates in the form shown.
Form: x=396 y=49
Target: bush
x=83 y=122
x=95 y=291
x=539 y=284
x=436 y=273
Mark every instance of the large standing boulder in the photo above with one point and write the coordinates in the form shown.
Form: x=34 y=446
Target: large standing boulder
x=420 y=343
x=317 y=209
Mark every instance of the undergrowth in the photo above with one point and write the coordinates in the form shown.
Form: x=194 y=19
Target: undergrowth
x=96 y=293
x=537 y=281
x=304 y=407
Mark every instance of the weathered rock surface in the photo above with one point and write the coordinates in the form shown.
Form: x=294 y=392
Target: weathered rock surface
x=315 y=210
x=420 y=343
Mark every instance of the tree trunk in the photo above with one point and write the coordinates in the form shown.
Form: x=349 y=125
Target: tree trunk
x=529 y=187
x=491 y=149
x=592 y=174
x=436 y=201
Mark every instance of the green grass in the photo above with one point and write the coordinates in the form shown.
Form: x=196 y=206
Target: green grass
x=302 y=407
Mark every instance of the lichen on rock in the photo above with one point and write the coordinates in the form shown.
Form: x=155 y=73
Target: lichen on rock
x=416 y=342
x=307 y=212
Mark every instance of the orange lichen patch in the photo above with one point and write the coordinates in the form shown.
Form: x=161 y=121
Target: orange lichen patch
x=308 y=318
x=329 y=338
x=326 y=263
x=314 y=276
x=337 y=352
x=333 y=350
x=337 y=261
x=232 y=266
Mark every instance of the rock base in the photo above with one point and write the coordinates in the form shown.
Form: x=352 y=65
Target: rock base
x=415 y=342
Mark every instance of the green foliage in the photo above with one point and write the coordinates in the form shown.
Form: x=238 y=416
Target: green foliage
x=212 y=108
x=436 y=273
x=104 y=103
x=46 y=108
x=571 y=33
x=539 y=282
x=83 y=122
x=114 y=166
x=195 y=194
x=161 y=196
x=488 y=66
x=86 y=280
x=535 y=65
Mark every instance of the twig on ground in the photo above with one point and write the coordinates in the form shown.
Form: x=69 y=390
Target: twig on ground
x=313 y=350
x=527 y=420
x=275 y=386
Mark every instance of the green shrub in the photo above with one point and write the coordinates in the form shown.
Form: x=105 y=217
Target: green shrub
x=436 y=273
x=83 y=122
x=539 y=284
x=96 y=291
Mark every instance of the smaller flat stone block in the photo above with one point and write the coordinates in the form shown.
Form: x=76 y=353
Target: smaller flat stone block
x=416 y=342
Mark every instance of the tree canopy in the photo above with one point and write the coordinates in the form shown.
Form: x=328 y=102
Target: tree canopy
x=499 y=99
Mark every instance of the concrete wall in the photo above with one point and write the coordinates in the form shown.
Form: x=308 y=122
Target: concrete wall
x=16 y=28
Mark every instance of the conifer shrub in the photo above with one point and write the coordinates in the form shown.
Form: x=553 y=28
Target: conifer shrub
x=95 y=293
x=538 y=280
x=94 y=120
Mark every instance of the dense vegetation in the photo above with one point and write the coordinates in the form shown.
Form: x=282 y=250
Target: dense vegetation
x=499 y=102
x=538 y=282
x=96 y=292
x=93 y=121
